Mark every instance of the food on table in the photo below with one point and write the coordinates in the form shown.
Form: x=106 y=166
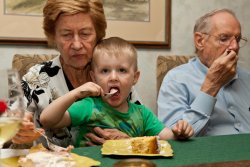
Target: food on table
x=137 y=146
x=47 y=159
x=145 y=145
x=41 y=157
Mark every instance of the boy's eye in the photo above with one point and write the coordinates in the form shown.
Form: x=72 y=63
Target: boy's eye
x=123 y=70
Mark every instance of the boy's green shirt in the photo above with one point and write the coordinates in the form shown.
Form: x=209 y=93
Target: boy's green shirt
x=91 y=112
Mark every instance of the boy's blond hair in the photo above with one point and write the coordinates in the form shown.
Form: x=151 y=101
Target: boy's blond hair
x=115 y=46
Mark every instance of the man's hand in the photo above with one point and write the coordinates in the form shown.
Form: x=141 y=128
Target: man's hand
x=26 y=133
x=220 y=72
x=101 y=135
x=183 y=130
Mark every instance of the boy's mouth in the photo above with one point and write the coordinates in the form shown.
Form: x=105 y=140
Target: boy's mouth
x=114 y=91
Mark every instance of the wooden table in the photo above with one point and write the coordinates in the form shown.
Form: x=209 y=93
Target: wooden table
x=197 y=150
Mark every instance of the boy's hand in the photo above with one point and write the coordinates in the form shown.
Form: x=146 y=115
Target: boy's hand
x=183 y=130
x=88 y=89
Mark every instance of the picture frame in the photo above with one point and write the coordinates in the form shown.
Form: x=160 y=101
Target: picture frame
x=155 y=33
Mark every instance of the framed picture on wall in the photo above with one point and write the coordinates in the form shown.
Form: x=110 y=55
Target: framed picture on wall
x=145 y=23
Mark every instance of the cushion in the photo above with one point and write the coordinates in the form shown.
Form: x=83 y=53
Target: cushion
x=22 y=62
x=166 y=63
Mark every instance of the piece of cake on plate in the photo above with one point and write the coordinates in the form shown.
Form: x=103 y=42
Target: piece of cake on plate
x=145 y=145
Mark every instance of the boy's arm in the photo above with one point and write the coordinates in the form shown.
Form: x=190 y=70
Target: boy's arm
x=166 y=134
x=182 y=130
x=55 y=115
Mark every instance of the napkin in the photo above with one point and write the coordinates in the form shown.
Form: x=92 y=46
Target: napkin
x=7 y=153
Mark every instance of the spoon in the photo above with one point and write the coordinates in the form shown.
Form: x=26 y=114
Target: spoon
x=111 y=93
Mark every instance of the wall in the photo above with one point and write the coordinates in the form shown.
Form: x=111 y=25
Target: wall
x=184 y=14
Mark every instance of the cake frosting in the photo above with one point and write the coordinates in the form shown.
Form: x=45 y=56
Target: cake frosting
x=47 y=159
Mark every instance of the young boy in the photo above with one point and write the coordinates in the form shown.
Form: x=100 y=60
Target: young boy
x=113 y=69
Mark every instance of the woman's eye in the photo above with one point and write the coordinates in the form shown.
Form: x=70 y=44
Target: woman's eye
x=84 y=34
x=67 y=36
x=104 y=70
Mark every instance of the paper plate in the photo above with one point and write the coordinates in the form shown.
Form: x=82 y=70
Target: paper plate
x=123 y=148
x=81 y=161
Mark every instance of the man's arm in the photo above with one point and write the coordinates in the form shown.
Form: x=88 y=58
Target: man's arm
x=222 y=70
x=176 y=101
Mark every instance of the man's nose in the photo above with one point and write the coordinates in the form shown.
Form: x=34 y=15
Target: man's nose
x=234 y=44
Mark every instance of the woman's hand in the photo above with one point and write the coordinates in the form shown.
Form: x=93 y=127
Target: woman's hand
x=101 y=135
x=183 y=130
x=26 y=133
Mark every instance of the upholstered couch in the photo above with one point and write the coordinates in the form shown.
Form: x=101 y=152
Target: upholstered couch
x=22 y=62
x=166 y=63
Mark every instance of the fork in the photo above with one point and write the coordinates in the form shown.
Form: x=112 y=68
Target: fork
x=51 y=145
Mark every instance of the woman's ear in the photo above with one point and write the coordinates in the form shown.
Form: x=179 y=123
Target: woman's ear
x=136 y=77
x=199 y=41
x=92 y=76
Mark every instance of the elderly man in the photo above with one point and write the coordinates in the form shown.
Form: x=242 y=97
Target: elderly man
x=210 y=91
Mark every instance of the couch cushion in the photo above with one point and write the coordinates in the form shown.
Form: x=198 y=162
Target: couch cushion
x=166 y=63
x=22 y=62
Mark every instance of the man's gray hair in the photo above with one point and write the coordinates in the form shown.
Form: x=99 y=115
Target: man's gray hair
x=203 y=24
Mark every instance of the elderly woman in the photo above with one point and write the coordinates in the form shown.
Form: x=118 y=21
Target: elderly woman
x=73 y=28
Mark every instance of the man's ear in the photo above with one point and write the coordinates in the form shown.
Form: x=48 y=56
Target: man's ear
x=136 y=77
x=199 y=41
x=92 y=76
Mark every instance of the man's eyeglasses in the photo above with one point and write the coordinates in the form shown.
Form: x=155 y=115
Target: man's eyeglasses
x=227 y=39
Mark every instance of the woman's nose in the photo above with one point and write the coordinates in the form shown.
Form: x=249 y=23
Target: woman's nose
x=77 y=43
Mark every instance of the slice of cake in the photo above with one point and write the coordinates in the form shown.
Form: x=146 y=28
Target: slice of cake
x=145 y=145
x=46 y=159
x=39 y=156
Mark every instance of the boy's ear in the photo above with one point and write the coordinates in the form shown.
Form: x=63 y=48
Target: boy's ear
x=199 y=40
x=92 y=76
x=136 y=77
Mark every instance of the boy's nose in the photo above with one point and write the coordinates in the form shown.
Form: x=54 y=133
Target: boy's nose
x=113 y=75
